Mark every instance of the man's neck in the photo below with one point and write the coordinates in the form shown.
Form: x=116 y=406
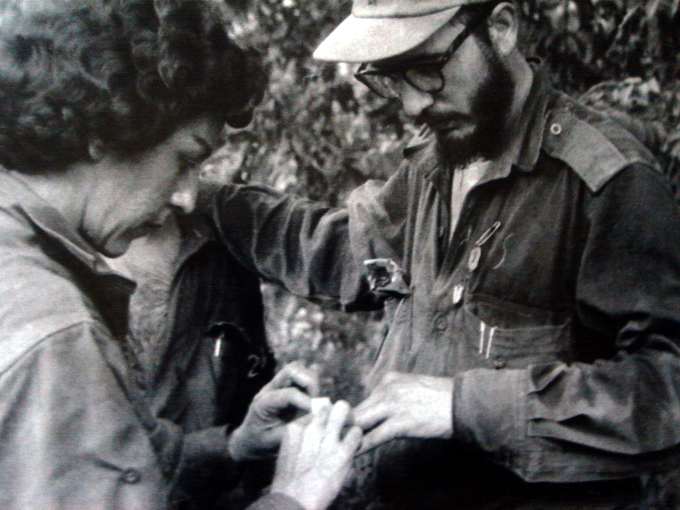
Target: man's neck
x=145 y=255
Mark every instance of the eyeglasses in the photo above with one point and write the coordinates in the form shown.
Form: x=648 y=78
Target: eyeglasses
x=423 y=73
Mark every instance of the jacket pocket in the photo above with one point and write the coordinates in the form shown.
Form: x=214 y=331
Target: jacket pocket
x=493 y=344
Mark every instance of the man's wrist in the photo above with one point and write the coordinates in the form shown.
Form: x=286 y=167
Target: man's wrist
x=439 y=406
x=454 y=390
x=244 y=446
x=448 y=417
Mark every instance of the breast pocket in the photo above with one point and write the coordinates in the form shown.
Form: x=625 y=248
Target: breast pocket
x=496 y=342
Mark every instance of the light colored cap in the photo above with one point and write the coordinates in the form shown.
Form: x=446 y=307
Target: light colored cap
x=380 y=29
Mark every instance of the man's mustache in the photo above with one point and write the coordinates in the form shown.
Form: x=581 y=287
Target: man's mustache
x=437 y=120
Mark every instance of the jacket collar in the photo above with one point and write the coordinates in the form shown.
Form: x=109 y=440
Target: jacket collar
x=534 y=117
x=19 y=198
x=195 y=234
x=195 y=228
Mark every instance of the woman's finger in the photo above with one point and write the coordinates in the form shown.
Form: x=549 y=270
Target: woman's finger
x=352 y=440
x=337 y=419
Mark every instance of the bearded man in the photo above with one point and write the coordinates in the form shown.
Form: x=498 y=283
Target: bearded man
x=528 y=255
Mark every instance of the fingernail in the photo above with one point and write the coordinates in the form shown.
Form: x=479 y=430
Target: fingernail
x=319 y=403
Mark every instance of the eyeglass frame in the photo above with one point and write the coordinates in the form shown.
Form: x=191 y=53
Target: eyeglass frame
x=436 y=61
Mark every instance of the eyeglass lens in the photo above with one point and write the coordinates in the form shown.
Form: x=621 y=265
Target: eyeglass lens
x=389 y=86
x=425 y=79
x=384 y=85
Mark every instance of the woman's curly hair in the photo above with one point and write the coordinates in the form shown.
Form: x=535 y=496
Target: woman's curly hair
x=127 y=73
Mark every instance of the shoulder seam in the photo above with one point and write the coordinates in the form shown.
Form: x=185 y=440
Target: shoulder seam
x=586 y=149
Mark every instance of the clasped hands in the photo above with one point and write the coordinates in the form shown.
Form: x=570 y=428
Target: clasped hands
x=315 y=456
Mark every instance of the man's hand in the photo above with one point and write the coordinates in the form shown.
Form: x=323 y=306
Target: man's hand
x=277 y=403
x=406 y=405
x=314 y=462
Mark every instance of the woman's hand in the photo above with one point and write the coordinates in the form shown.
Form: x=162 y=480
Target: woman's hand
x=314 y=461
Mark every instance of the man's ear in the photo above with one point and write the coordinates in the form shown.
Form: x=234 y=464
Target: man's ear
x=95 y=148
x=504 y=27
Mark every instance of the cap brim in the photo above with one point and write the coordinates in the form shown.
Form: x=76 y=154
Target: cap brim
x=372 y=39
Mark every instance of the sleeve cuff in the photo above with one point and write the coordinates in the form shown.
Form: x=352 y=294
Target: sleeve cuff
x=204 y=457
x=205 y=446
x=490 y=408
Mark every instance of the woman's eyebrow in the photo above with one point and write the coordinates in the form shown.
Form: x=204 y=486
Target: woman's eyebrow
x=206 y=148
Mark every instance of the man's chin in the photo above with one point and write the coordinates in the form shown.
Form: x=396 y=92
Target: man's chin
x=457 y=149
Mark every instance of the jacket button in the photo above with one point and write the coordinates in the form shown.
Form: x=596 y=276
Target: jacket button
x=499 y=363
x=556 y=129
x=441 y=324
x=131 y=476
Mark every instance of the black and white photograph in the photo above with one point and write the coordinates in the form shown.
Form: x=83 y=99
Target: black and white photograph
x=340 y=254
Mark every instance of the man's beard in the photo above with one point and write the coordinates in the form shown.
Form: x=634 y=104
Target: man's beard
x=491 y=108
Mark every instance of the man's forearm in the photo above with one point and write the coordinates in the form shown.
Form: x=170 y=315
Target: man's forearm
x=301 y=245
x=569 y=423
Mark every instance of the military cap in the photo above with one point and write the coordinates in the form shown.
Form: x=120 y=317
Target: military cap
x=380 y=29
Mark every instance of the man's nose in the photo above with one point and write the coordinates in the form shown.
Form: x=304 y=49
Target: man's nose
x=415 y=101
x=184 y=197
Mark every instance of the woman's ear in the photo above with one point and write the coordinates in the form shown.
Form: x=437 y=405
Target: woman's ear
x=504 y=27
x=95 y=148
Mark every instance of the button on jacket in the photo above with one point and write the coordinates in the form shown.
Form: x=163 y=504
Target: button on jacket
x=554 y=305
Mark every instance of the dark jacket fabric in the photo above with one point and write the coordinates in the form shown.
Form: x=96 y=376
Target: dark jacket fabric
x=213 y=361
x=554 y=305
x=215 y=357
